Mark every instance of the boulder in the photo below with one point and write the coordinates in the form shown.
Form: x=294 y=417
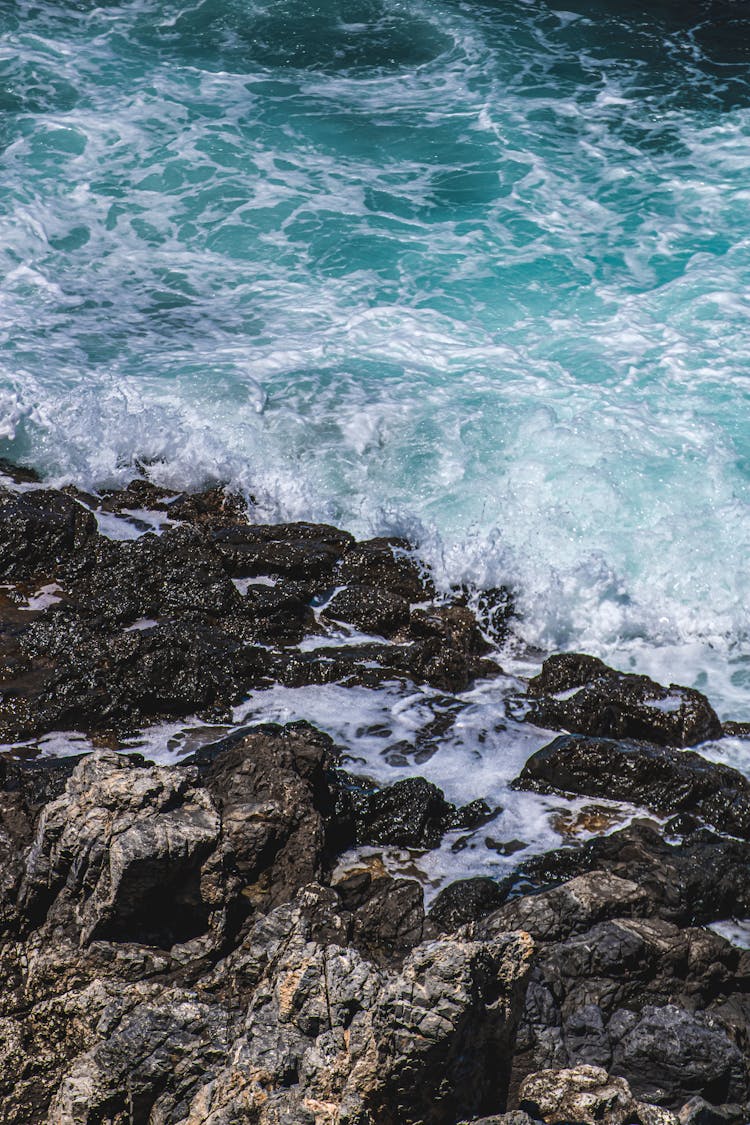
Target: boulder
x=583 y=695
x=126 y=853
x=369 y=609
x=467 y=900
x=656 y=777
x=293 y=550
x=413 y=813
x=589 y=1096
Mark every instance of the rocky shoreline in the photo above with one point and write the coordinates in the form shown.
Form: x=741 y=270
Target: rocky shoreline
x=182 y=944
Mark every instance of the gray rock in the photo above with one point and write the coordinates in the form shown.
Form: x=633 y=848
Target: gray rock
x=589 y=1096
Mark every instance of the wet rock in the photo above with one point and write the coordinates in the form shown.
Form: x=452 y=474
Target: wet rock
x=702 y=879
x=214 y=507
x=293 y=550
x=583 y=695
x=39 y=529
x=382 y=564
x=587 y=1094
x=89 y=681
x=369 y=609
x=659 y=778
x=278 y=615
x=466 y=900
x=151 y=577
x=412 y=814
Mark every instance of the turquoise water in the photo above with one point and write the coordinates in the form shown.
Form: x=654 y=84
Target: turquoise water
x=477 y=272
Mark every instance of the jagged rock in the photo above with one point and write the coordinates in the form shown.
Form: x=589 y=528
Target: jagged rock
x=126 y=853
x=572 y=908
x=293 y=550
x=668 y=1052
x=38 y=529
x=583 y=695
x=588 y=1095
x=702 y=879
x=697 y=1111
x=294 y=1027
x=465 y=901
x=370 y=609
x=659 y=778
x=599 y=996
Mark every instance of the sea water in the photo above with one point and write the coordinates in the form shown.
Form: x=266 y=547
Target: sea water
x=478 y=273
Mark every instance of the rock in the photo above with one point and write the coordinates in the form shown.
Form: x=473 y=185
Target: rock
x=598 y=985
x=86 y=680
x=466 y=900
x=382 y=564
x=659 y=778
x=668 y=1052
x=294 y=1027
x=702 y=879
x=293 y=550
x=39 y=529
x=581 y=694
x=369 y=609
x=390 y=922
x=588 y=1095
x=411 y=814
x=515 y=1117
x=151 y=577
x=271 y=787
x=697 y=1111
x=572 y=908
x=125 y=853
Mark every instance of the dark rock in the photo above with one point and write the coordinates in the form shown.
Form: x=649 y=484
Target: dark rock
x=466 y=900
x=271 y=787
x=581 y=694
x=369 y=609
x=668 y=1053
x=38 y=529
x=215 y=507
x=390 y=922
x=659 y=778
x=293 y=550
x=703 y=879
x=110 y=682
x=411 y=814
x=383 y=565
x=151 y=577
x=276 y=614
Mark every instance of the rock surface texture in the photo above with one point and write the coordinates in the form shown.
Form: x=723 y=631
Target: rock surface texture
x=218 y=941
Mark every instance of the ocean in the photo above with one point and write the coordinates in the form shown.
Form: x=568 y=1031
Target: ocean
x=474 y=273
